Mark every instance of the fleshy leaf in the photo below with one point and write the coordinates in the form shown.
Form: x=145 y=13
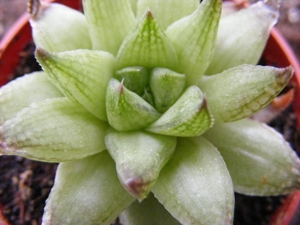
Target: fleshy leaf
x=195 y=185
x=135 y=79
x=259 y=160
x=188 y=117
x=52 y=34
x=126 y=110
x=242 y=37
x=109 y=23
x=167 y=11
x=53 y=130
x=147 y=46
x=194 y=38
x=23 y=91
x=81 y=75
x=86 y=191
x=133 y=4
x=241 y=91
x=139 y=157
x=166 y=86
x=148 y=212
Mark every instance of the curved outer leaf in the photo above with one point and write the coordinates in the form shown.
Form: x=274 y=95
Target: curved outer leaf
x=52 y=34
x=148 y=212
x=194 y=38
x=23 y=91
x=126 y=110
x=195 y=185
x=86 y=191
x=242 y=37
x=241 y=91
x=147 y=46
x=109 y=23
x=188 y=117
x=167 y=11
x=259 y=160
x=81 y=75
x=54 y=130
x=139 y=157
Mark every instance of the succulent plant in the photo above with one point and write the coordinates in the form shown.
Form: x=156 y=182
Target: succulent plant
x=145 y=105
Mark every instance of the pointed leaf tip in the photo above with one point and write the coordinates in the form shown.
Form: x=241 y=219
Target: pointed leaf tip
x=137 y=187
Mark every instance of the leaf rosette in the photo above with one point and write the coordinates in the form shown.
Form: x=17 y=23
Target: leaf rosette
x=148 y=100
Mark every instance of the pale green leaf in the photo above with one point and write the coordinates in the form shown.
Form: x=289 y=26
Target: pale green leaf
x=52 y=34
x=167 y=11
x=194 y=37
x=259 y=160
x=109 y=23
x=23 y=91
x=135 y=78
x=166 y=86
x=195 y=185
x=242 y=37
x=53 y=130
x=147 y=46
x=188 y=117
x=86 y=191
x=81 y=75
x=148 y=212
x=133 y=4
x=139 y=157
x=241 y=91
x=126 y=110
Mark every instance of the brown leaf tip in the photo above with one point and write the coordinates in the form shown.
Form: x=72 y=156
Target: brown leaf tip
x=137 y=187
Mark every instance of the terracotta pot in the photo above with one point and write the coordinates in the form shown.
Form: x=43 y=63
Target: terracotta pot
x=277 y=53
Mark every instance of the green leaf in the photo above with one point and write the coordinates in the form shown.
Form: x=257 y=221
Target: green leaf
x=81 y=75
x=126 y=110
x=166 y=86
x=188 y=117
x=195 y=185
x=23 y=91
x=147 y=46
x=133 y=4
x=259 y=160
x=86 y=191
x=167 y=11
x=52 y=34
x=53 y=130
x=194 y=37
x=139 y=157
x=135 y=79
x=242 y=37
x=109 y=23
x=241 y=91
x=148 y=212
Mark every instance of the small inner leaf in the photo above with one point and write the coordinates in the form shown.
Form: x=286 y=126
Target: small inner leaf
x=166 y=86
x=188 y=117
x=134 y=78
x=126 y=110
x=147 y=46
